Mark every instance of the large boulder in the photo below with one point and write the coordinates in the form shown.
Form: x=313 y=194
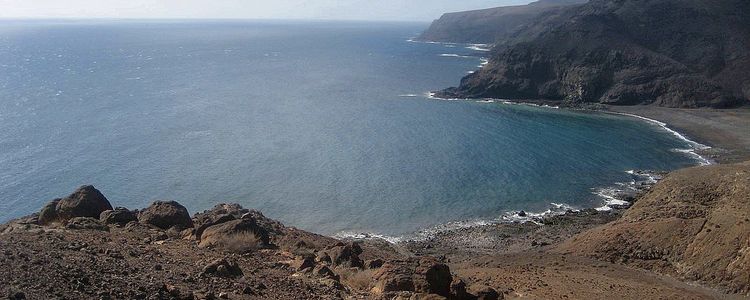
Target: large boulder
x=241 y=236
x=392 y=277
x=48 y=214
x=220 y=213
x=433 y=277
x=119 y=215
x=424 y=275
x=346 y=255
x=166 y=214
x=86 y=201
x=222 y=267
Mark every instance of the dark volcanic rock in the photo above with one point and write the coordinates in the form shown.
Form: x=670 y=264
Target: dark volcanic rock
x=346 y=255
x=486 y=26
x=166 y=214
x=119 y=215
x=86 y=201
x=222 y=268
x=670 y=53
x=221 y=213
x=238 y=236
x=424 y=275
x=432 y=276
x=85 y=223
x=487 y=293
x=374 y=263
x=458 y=290
x=48 y=214
x=392 y=277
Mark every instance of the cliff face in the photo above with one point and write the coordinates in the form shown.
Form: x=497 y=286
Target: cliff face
x=672 y=53
x=488 y=25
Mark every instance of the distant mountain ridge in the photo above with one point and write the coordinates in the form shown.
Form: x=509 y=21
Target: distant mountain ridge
x=674 y=53
x=485 y=26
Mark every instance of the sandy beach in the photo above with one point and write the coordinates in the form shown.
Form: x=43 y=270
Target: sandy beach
x=727 y=131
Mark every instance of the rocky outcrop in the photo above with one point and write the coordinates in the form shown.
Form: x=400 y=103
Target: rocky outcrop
x=219 y=214
x=238 y=236
x=86 y=201
x=166 y=214
x=85 y=223
x=222 y=267
x=424 y=275
x=695 y=223
x=488 y=25
x=119 y=216
x=669 y=53
x=346 y=255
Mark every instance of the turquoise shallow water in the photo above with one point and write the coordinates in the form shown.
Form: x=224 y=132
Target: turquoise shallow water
x=321 y=125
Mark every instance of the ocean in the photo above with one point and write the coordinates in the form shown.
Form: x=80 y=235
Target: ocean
x=326 y=126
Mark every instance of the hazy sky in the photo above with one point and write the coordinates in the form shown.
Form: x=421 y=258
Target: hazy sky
x=415 y=10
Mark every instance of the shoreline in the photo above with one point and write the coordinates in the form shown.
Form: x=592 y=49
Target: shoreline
x=616 y=203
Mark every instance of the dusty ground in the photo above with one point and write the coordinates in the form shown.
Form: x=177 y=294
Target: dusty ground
x=139 y=263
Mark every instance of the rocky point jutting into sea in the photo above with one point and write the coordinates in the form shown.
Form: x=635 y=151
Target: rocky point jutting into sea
x=667 y=53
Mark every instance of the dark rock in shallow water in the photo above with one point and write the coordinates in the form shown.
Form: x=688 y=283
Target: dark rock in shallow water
x=86 y=201
x=166 y=214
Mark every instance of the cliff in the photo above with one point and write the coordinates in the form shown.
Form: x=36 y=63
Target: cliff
x=486 y=26
x=669 y=53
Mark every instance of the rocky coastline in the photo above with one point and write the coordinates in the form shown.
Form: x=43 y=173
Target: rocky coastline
x=81 y=247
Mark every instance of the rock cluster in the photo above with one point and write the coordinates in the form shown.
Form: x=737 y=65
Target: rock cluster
x=235 y=232
x=86 y=201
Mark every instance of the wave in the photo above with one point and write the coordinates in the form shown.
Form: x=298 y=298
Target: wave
x=428 y=233
x=409 y=95
x=694 y=146
x=455 y=55
x=622 y=194
x=480 y=47
x=483 y=62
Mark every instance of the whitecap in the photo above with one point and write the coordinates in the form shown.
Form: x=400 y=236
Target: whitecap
x=694 y=146
x=455 y=55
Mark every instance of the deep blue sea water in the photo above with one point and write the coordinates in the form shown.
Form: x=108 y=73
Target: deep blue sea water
x=316 y=124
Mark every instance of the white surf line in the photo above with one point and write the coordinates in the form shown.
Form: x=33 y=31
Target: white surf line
x=693 y=144
x=554 y=209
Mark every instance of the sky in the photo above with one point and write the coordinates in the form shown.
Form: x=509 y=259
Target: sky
x=390 y=10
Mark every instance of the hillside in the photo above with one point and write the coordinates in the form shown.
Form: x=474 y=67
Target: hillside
x=694 y=224
x=485 y=26
x=671 y=53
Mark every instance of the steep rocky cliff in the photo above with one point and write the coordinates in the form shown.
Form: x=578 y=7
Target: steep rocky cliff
x=674 y=53
x=485 y=26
